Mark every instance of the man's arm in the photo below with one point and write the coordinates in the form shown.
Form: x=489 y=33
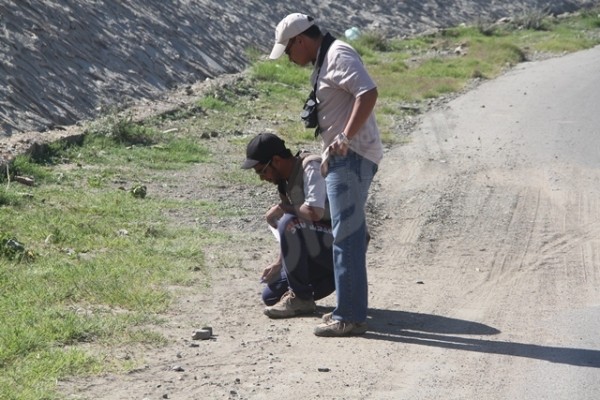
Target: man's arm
x=361 y=110
x=315 y=194
x=305 y=211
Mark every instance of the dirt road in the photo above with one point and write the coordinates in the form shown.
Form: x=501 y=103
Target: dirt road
x=484 y=269
x=495 y=207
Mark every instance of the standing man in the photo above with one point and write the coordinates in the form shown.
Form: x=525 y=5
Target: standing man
x=303 y=272
x=345 y=96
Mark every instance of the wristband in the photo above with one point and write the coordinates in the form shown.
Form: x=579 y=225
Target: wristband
x=344 y=139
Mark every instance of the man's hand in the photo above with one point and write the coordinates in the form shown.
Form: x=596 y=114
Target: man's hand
x=340 y=145
x=273 y=215
x=271 y=273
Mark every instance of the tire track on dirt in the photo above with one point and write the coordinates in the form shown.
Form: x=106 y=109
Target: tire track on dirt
x=508 y=239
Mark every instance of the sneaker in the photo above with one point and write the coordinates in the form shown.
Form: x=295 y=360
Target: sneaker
x=331 y=327
x=328 y=317
x=289 y=306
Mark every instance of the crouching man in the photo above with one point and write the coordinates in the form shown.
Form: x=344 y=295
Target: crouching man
x=303 y=271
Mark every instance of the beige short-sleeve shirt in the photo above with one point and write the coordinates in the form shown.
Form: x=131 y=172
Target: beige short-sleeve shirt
x=342 y=78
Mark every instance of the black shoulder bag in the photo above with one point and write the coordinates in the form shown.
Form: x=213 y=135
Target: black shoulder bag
x=309 y=113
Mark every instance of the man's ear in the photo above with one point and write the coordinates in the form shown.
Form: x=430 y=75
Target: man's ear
x=276 y=161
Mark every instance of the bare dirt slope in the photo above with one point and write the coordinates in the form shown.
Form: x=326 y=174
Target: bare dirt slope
x=62 y=61
x=484 y=269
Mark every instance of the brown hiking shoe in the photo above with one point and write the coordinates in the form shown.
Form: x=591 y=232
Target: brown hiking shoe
x=289 y=306
x=331 y=328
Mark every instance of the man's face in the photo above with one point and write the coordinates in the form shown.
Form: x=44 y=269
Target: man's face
x=296 y=50
x=269 y=172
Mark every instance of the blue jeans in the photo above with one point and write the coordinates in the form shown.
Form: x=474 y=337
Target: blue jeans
x=348 y=184
x=307 y=260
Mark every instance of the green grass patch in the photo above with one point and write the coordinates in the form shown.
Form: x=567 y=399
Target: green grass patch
x=34 y=376
x=100 y=265
x=9 y=198
x=83 y=261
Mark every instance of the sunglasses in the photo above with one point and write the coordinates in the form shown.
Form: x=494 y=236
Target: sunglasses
x=262 y=171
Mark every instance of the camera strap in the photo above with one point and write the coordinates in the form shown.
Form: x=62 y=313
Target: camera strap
x=328 y=39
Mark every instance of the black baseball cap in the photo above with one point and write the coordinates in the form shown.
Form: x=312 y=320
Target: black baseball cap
x=262 y=148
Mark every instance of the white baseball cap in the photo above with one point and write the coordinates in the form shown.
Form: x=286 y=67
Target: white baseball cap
x=292 y=25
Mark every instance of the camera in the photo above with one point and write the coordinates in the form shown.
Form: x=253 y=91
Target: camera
x=309 y=113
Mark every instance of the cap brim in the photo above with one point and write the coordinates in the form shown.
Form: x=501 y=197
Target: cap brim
x=278 y=50
x=249 y=163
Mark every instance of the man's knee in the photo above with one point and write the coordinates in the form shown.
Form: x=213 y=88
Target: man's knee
x=283 y=225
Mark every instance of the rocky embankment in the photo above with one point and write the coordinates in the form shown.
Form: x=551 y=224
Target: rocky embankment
x=65 y=61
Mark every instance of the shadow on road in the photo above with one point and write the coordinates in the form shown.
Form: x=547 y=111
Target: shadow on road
x=438 y=331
